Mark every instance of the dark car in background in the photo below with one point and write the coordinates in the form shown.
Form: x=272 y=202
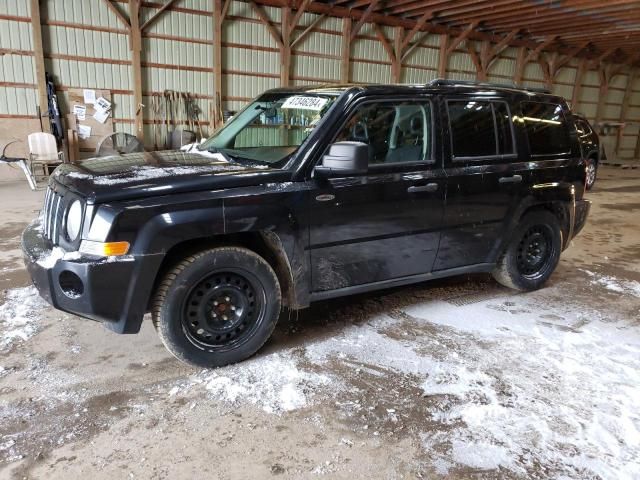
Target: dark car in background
x=309 y=194
x=592 y=151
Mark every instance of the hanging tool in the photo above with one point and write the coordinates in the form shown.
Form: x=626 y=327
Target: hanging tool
x=155 y=110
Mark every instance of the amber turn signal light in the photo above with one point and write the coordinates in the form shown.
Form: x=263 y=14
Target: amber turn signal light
x=104 y=249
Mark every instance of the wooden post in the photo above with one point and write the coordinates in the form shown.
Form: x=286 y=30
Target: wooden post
x=215 y=121
x=41 y=81
x=521 y=63
x=135 y=40
x=285 y=48
x=345 y=62
x=398 y=41
x=577 y=87
x=443 y=57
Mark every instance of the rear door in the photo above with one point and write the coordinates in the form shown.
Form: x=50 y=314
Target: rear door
x=485 y=178
x=385 y=224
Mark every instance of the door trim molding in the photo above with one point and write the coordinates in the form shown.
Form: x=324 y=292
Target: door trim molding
x=397 y=282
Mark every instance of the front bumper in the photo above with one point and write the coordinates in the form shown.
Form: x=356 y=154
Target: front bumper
x=107 y=290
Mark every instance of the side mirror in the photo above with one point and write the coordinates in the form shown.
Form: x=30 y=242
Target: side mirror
x=344 y=158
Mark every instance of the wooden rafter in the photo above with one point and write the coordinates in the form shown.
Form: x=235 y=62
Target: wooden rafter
x=418 y=26
x=365 y=16
x=453 y=44
x=117 y=13
x=157 y=15
x=296 y=18
x=262 y=15
x=316 y=22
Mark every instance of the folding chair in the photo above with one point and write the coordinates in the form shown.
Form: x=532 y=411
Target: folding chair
x=22 y=163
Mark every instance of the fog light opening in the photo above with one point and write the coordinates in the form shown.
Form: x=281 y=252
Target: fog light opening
x=70 y=284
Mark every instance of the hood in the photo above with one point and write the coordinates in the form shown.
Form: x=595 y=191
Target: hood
x=144 y=174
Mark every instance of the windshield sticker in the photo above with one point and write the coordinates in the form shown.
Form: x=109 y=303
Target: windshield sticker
x=305 y=103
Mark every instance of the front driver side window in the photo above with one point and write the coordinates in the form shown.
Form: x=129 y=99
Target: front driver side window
x=395 y=132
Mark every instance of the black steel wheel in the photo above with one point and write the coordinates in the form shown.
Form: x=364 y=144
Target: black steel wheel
x=217 y=307
x=223 y=310
x=532 y=254
x=534 y=250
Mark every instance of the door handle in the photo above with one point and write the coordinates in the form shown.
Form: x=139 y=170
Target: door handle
x=514 y=179
x=429 y=187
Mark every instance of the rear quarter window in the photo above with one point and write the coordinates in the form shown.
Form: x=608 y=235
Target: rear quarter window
x=546 y=127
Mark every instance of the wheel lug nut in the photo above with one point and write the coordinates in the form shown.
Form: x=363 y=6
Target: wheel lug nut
x=233 y=307
x=226 y=299
x=215 y=304
x=224 y=317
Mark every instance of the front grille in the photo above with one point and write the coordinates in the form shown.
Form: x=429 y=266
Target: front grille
x=52 y=215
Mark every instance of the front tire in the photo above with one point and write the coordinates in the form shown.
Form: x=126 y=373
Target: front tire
x=217 y=307
x=532 y=253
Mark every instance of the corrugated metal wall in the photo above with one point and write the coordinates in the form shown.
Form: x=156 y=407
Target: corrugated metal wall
x=86 y=46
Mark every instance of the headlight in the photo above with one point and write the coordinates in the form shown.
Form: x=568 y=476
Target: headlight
x=74 y=220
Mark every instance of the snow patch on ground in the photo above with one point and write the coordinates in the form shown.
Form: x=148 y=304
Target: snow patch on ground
x=626 y=287
x=272 y=382
x=19 y=315
x=561 y=393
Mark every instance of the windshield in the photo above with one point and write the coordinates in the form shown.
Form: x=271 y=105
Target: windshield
x=271 y=128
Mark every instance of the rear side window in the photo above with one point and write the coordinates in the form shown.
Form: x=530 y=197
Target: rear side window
x=546 y=128
x=480 y=128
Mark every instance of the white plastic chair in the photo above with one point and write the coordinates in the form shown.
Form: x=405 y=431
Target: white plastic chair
x=43 y=151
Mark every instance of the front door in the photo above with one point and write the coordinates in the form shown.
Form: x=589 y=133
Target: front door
x=385 y=224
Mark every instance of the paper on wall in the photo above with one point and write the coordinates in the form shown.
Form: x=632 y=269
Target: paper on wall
x=89 y=96
x=80 y=111
x=102 y=104
x=84 y=131
x=101 y=116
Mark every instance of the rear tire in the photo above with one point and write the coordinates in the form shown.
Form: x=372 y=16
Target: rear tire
x=217 y=306
x=532 y=253
x=592 y=173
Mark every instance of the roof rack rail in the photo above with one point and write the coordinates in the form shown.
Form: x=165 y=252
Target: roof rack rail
x=444 y=82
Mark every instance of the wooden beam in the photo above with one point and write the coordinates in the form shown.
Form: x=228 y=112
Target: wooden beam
x=117 y=13
x=535 y=53
x=480 y=72
x=345 y=57
x=577 y=84
x=296 y=17
x=316 y=22
x=365 y=16
x=502 y=45
x=38 y=55
x=461 y=37
x=418 y=26
x=413 y=46
x=157 y=15
x=135 y=36
x=561 y=61
x=443 y=57
x=225 y=10
x=521 y=63
x=216 y=119
x=398 y=42
x=267 y=23
x=385 y=42
x=285 y=48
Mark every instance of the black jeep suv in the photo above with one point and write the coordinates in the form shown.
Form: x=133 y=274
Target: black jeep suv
x=308 y=194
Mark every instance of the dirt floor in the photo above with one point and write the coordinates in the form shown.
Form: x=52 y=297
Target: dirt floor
x=459 y=378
